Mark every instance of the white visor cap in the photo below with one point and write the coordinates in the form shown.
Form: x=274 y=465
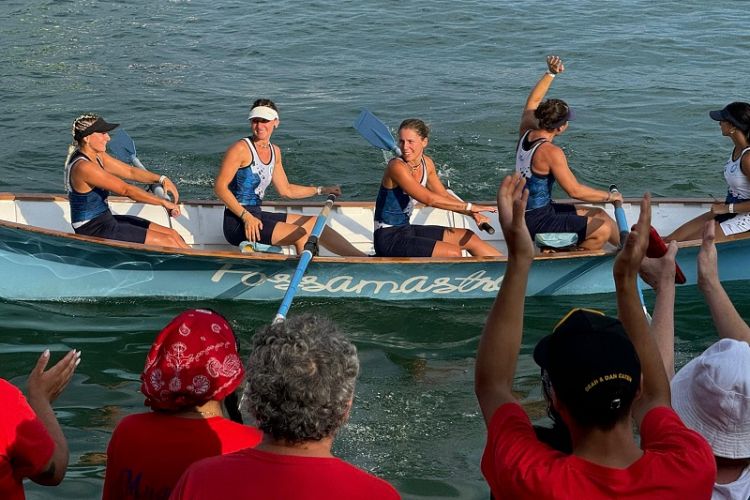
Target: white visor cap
x=263 y=112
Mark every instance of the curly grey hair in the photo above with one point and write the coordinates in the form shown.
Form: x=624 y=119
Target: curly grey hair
x=301 y=377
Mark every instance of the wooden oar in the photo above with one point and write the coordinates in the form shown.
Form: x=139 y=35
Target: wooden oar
x=377 y=134
x=310 y=250
x=622 y=226
x=122 y=147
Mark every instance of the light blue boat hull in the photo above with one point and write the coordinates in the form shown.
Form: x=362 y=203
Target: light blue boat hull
x=43 y=265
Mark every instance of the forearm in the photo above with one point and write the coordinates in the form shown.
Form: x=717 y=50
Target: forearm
x=655 y=384
x=728 y=322
x=143 y=176
x=500 y=342
x=662 y=325
x=137 y=194
x=539 y=91
x=229 y=200
x=297 y=191
x=448 y=203
x=59 y=462
x=588 y=194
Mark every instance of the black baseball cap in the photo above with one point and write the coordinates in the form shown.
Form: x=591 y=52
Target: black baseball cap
x=591 y=363
x=732 y=113
x=98 y=126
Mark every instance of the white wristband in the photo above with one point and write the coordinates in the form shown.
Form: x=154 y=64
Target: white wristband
x=551 y=74
x=162 y=179
x=468 y=206
x=731 y=208
x=319 y=190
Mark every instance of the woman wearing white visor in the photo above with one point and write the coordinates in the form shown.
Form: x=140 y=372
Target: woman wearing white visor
x=250 y=165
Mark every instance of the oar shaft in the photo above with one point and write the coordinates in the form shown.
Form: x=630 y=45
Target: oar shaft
x=304 y=259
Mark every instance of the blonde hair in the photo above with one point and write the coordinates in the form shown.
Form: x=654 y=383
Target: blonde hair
x=79 y=124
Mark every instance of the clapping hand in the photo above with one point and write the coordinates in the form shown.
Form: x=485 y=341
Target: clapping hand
x=47 y=385
x=660 y=272
x=511 y=202
x=628 y=261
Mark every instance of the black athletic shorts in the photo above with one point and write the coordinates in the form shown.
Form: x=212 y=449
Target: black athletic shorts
x=556 y=218
x=234 y=228
x=407 y=240
x=116 y=227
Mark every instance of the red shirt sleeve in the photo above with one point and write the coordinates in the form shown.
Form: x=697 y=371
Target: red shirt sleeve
x=513 y=453
x=663 y=432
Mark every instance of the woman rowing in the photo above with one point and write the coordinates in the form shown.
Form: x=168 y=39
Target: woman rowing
x=91 y=174
x=412 y=178
x=250 y=165
x=542 y=163
x=732 y=216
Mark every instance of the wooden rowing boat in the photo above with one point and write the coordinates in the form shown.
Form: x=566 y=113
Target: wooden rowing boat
x=41 y=258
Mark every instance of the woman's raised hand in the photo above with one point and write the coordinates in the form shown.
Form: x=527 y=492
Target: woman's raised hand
x=555 y=65
x=47 y=385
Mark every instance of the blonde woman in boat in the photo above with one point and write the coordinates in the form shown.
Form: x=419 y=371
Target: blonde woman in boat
x=250 y=165
x=91 y=174
x=412 y=178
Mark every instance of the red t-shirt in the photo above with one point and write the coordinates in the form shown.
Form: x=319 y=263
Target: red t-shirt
x=25 y=445
x=254 y=474
x=677 y=463
x=148 y=452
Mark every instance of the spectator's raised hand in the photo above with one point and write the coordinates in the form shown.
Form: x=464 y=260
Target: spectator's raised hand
x=47 y=385
x=659 y=273
x=511 y=202
x=708 y=267
x=628 y=261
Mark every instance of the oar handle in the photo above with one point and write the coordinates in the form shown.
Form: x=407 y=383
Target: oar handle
x=622 y=221
x=311 y=249
x=485 y=226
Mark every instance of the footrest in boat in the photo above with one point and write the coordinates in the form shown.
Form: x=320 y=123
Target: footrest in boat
x=254 y=246
x=557 y=241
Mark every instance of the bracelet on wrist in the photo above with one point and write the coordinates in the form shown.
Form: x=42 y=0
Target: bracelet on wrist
x=551 y=74
x=242 y=214
x=468 y=206
x=162 y=179
x=731 y=208
x=319 y=190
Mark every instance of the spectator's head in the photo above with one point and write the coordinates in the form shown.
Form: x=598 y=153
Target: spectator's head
x=303 y=376
x=712 y=396
x=193 y=360
x=593 y=368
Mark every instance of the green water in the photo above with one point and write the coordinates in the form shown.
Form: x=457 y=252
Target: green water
x=179 y=76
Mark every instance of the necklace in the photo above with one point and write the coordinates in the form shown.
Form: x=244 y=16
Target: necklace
x=415 y=167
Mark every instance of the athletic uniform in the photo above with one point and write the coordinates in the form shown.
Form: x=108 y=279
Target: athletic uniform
x=394 y=235
x=90 y=214
x=737 y=192
x=542 y=215
x=249 y=186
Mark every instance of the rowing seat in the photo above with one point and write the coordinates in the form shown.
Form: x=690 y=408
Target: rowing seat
x=557 y=242
x=254 y=246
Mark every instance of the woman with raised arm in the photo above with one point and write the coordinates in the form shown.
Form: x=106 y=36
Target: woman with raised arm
x=412 y=178
x=732 y=216
x=250 y=165
x=542 y=163
x=91 y=174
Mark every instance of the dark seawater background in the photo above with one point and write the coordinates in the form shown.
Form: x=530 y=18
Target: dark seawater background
x=179 y=76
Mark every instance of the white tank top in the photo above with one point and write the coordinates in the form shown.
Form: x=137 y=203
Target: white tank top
x=738 y=183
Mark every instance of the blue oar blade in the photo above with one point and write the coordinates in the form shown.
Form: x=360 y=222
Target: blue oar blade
x=122 y=147
x=374 y=131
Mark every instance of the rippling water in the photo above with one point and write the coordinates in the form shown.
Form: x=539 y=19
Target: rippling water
x=179 y=76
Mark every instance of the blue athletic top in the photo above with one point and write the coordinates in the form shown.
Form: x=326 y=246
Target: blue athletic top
x=84 y=206
x=393 y=207
x=539 y=186
x=250 y=182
